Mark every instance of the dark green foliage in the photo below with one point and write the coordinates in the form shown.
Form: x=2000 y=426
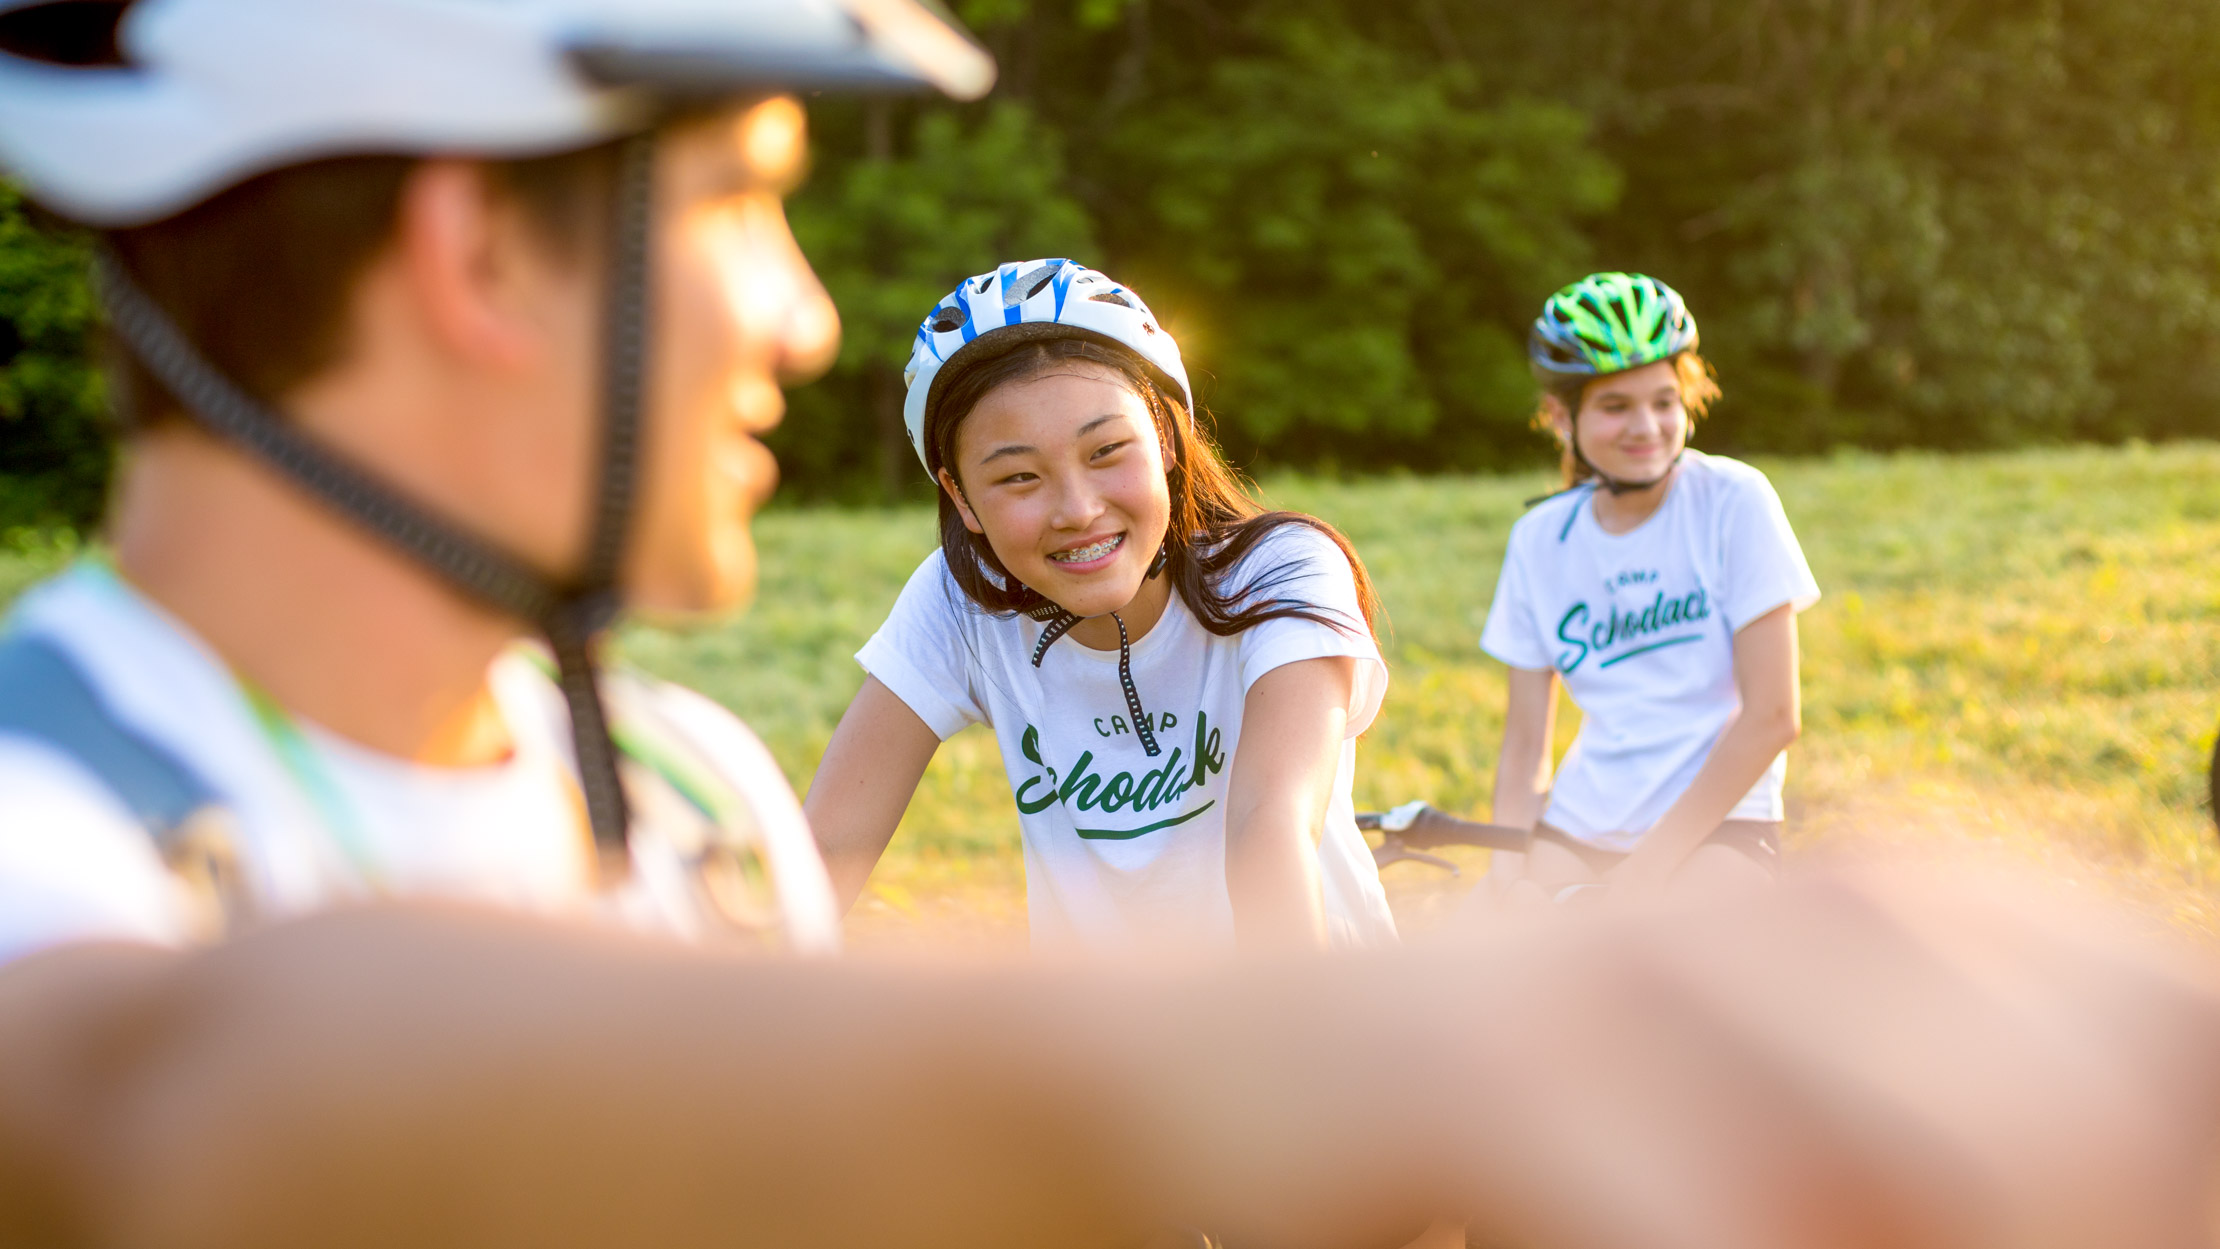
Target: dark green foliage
x=1900 y=222
x=1340 y=224
x=54 y=452
x=1911 y=221
x=890 y=234
x=1342 y=231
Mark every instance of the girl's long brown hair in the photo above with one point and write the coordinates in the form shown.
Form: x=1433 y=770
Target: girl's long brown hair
x=1214 y=522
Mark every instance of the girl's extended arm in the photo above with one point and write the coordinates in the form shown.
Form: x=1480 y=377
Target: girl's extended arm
x=1770 y=719
x=1292 y=725
x=864 y=783
x=1522 y=767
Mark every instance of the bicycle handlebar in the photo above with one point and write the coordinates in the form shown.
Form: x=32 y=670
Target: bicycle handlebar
x=1430 y=829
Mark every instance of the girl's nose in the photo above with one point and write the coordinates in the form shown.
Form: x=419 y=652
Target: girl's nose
x=1078 y=505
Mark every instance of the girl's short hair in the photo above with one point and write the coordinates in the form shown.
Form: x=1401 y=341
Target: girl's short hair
x=1699 y=389
x=1214 y=523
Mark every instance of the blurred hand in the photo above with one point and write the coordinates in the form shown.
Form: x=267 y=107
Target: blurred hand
x=1846 y=1063
x=1636 y=880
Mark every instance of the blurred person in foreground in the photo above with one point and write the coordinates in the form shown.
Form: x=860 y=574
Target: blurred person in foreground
x=530 y=392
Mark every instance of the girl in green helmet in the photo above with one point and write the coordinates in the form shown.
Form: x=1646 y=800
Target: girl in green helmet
x=1661 y=589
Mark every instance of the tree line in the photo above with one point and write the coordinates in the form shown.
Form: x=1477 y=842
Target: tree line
x=1940 y=223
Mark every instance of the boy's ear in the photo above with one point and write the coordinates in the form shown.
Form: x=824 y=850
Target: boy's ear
x=460 y=254
x=963 y=505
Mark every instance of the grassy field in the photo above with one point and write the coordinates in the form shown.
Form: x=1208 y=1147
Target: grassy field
x=2020 y=649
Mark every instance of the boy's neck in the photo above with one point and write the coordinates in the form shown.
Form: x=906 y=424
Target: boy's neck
x=333 y=625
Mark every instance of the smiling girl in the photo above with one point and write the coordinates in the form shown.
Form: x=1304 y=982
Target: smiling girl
x=1176 y=677
x=1661 y=588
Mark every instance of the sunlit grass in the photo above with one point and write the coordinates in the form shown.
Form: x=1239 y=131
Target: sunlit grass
x=2022 y=648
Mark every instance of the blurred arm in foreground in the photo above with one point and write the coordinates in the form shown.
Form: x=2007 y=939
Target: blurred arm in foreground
x=1839 y=1064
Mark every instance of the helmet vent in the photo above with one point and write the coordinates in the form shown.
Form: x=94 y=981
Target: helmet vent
x=1030 y=285
x=949 y=318
x=77 y=33
x=1111 y=297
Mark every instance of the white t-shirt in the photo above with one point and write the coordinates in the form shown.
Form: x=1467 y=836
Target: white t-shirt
x=1641 y=627
x=354 y=824
x=1123 y=850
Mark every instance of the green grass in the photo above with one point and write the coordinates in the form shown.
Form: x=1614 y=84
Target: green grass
x=2022 y=648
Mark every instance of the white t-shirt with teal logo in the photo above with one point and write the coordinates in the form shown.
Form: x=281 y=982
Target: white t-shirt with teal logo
x=1641 y=627
x=1125 y=850
x=336 y=822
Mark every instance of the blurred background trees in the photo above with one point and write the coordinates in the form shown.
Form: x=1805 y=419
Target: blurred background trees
x=54 y=455
x=1901 y=222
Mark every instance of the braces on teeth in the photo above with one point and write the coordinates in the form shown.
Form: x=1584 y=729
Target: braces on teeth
x=1085 y=553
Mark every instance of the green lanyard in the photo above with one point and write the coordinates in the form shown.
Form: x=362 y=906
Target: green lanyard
x=293 y=748
x=309 y=771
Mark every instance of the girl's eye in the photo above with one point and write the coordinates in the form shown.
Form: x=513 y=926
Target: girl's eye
x=1016 y=479
x=1108 y=448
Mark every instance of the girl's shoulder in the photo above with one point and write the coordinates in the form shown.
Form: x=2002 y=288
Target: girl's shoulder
x=1723 y=476
x=932 y=599
x=1729 y=496
x=930 y=584
x=1296 y=538
x=1289 y=560
x=1292 y=550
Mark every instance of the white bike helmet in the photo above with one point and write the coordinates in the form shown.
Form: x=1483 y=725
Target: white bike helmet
x=121 y=112
x=1018 y=302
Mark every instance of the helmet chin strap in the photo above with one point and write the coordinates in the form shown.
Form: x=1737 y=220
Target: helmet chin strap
x=570 y=613
x=1060 y=621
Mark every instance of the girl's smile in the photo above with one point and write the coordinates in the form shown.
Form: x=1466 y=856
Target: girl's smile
x=1090 y=556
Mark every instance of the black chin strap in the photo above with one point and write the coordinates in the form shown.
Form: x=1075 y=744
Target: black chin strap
x=570 y=614
x=1061 y=622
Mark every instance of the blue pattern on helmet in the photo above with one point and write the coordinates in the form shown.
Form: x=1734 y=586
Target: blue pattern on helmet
x=1066 y=273
x=971 y=314
x=1126 y=320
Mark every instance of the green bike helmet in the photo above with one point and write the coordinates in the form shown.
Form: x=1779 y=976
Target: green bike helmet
x=1608 y=323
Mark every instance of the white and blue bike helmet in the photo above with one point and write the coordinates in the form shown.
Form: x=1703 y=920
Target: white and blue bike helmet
x=1027 y=301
